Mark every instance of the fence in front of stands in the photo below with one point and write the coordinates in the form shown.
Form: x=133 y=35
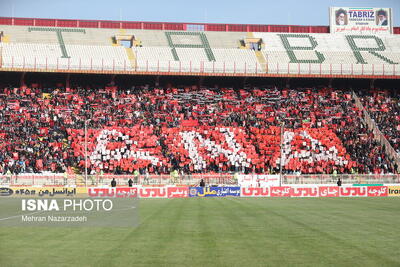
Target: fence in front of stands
x=210 y=179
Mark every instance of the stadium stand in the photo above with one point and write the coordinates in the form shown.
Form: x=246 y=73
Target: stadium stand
x=49 y=56
x=197 y=51
x=384 y=108
x=188 y=129
x=341 y=54
x=195 y=129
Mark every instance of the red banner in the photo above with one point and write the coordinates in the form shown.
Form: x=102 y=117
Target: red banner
x=304 y=192
x=153 y=192
x=328 y=191
x=113 y=192
x=178 y=192
x=377 y=191
x=255 y=192
x=280 y=191
x=350 y=191
x=315 y=191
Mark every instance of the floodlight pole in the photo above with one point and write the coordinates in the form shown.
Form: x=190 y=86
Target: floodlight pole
x=281 y=159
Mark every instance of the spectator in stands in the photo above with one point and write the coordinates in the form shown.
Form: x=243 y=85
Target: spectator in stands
x=384 y=108
x=160 y=126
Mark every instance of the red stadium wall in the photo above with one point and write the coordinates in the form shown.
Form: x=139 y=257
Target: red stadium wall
x=107 y=24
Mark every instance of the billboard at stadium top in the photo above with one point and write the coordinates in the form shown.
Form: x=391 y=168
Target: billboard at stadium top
x=361 y=20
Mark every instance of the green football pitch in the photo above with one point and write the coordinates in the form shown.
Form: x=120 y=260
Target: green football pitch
x=223 y=232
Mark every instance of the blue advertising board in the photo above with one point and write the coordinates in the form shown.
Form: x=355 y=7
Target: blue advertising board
x=214 y=191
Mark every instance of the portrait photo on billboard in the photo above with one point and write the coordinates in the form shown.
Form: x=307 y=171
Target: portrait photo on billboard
x=381 y=18
x=341 y=17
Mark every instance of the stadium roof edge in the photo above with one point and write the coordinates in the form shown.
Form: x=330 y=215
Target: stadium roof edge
x=141 y=25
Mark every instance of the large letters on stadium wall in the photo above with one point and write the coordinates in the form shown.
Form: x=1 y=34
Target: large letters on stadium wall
x=358 y=43
x=199 y=38
x=360 y=28
x=360 y=20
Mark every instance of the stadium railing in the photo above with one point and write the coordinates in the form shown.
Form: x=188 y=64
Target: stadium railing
x=97 y=180
x=210 y=179
x=346 y=179
x=111 y=65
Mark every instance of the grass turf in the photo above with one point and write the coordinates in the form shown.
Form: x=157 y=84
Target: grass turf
x=223 y=232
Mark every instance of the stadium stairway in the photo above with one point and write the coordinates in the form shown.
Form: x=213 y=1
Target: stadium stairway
x=389 y=150
x=261 y=60
x=5 y=39
x=131 y=57
x=259 y=55
x=129 y=51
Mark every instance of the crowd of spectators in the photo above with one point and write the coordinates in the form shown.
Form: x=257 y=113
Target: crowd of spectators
x=384 y=109
x=40 y=128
